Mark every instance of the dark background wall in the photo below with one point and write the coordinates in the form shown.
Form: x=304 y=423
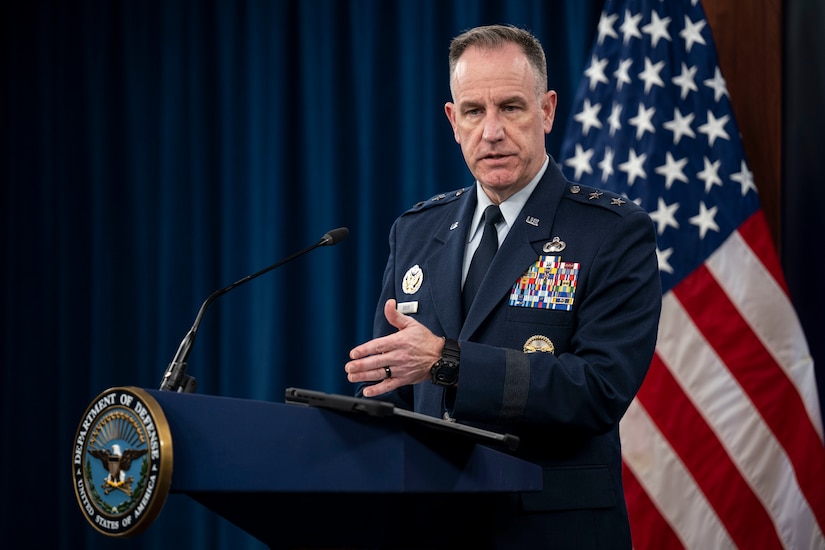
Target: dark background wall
x=803 y=185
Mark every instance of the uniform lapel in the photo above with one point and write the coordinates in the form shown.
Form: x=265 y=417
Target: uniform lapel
x=519 y=250
x=444 y=265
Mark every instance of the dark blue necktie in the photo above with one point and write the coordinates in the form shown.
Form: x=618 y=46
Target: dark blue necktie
x=483 y=256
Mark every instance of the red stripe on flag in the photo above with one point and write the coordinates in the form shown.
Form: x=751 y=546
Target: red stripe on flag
x=649 y=530
x=767 y=385
x=738 y=508
x=755 y=233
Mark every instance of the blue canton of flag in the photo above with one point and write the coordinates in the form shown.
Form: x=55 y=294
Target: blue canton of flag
x=653 y=121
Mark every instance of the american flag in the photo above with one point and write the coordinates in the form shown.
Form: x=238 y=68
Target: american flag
x=723 y=445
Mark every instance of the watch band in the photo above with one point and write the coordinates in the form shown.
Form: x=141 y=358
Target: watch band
x=451 y=351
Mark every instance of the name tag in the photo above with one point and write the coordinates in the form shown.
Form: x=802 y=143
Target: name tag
x=407 y=307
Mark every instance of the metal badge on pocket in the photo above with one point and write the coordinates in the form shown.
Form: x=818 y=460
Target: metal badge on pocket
x=538 y=343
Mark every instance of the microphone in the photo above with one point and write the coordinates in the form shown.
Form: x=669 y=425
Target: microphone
x=175 y=377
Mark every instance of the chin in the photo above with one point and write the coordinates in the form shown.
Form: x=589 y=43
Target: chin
x=498 y=179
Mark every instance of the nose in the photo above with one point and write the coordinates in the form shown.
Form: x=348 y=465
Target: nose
x=493 y=127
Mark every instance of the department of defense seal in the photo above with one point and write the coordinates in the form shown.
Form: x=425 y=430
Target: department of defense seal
x=122 y=461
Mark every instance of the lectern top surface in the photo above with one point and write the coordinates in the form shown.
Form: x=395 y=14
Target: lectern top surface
x=374 y=407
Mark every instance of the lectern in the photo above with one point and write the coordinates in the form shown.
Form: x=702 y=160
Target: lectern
x=362 y=475
x=294 y=476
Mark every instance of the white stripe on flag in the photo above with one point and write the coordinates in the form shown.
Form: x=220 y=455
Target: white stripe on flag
x=771 y=316
x=736 y=422
x=664 y=477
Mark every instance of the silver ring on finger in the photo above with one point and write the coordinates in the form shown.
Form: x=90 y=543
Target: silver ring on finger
x=388 y=373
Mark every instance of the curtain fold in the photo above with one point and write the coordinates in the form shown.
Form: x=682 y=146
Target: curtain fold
x=155 y=152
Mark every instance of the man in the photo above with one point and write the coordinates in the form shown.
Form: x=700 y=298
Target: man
x=560 y=333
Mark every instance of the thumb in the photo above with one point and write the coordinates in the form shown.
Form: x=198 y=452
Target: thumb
x=395 y=317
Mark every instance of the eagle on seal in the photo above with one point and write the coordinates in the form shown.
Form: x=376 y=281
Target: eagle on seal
x=116 y=462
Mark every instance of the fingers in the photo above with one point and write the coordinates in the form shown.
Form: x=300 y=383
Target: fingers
x=386 y=343
x=372 y=368
x=378 y=389
x=386 y=385
x=370 y=349
x=391 y=361
x=383 y=344
x=382 y=378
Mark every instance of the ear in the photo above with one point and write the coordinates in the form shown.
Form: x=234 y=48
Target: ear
x=451 y=111
x=548 y=109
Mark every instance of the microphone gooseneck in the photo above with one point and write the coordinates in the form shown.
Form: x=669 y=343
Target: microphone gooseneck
x=175 y=377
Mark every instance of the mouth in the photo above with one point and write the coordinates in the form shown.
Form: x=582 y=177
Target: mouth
x=494 y=157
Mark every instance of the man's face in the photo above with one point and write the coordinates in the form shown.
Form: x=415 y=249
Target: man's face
x=498 y=118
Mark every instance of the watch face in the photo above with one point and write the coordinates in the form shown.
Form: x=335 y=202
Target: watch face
x=445 y=373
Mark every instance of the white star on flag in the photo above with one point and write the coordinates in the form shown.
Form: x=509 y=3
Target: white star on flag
x=717 y=83
x=665 y=216
x=643 y=120
x=630 y=26
x=672 y=170
x=622 y=74
x=606 y=27
x=715 y=127
x=596 y=72
x=686 y=80
x=589 y=117
x=657 y=29
x=744 y=177
x=680 y=126
x=606 y=164
x=651 y=74
x=581 y=162
x=634 y=166
x=710 y=175
x=704 y=220
x=692 y=33
x=615 y=119
x=662 y=257
x=723 y=445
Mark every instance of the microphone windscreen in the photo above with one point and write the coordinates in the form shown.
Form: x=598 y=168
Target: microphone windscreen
x=335 y=236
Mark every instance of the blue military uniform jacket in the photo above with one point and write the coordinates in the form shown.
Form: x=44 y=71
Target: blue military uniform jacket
x=565 y=404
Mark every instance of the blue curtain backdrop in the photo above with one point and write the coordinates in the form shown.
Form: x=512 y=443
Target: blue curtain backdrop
x=154 y=152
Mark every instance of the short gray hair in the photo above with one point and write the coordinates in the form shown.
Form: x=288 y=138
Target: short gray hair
x=496 y=36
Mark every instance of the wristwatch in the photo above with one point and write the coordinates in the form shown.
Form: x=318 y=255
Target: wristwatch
x=445 y=371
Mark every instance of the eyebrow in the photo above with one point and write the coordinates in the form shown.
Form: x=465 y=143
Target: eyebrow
x=509 y=100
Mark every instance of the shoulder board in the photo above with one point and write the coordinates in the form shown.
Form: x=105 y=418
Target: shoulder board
x=600 y=197
x=441 y=198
